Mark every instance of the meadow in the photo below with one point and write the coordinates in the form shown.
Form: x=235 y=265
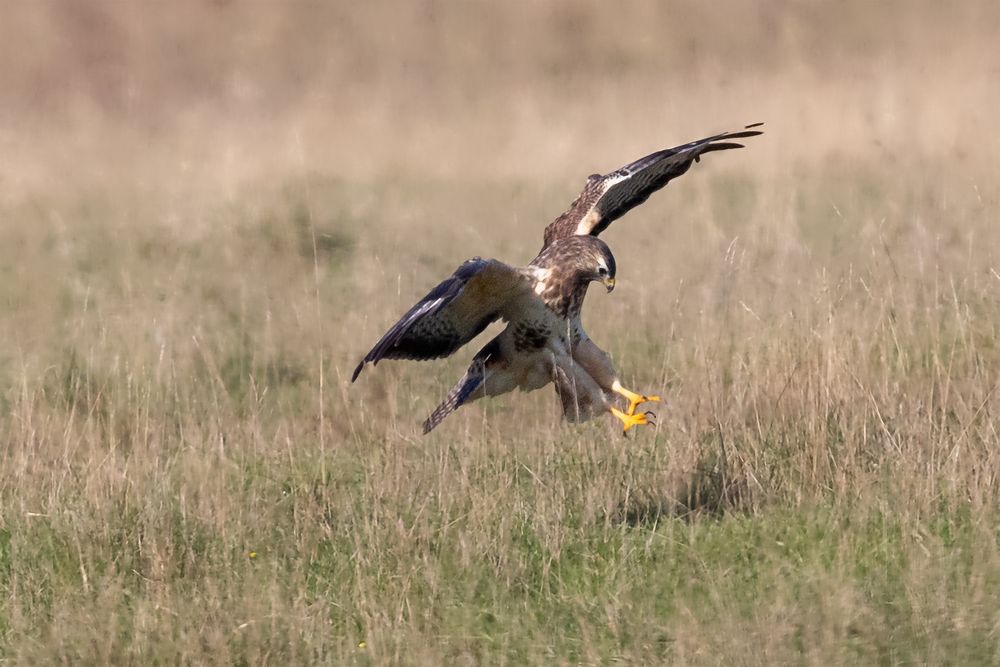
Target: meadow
x=209 y=213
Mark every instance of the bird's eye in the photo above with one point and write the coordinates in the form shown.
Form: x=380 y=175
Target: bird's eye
x=602 y=271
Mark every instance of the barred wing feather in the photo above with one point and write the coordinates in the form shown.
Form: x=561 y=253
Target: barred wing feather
x=453 y=313
x=606 y=198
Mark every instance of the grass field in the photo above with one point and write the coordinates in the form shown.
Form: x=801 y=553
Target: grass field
x=207 y=218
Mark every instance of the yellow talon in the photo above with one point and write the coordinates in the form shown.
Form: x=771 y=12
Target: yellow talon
x=630 y=420
x=633 y=398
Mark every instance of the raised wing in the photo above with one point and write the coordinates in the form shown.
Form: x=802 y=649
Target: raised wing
x=453 y=313
x=606 y=198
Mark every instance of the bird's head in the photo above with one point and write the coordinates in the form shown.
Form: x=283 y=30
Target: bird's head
x=585 y=259
x=602 y=263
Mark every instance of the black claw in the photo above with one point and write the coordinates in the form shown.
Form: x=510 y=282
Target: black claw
x=650 y=414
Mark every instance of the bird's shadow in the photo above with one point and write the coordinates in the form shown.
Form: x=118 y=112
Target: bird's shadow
x=708 y=491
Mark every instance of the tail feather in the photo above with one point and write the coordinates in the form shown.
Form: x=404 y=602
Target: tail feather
x=456 y=397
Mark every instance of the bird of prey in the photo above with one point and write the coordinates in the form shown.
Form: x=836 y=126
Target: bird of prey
x=544 y=340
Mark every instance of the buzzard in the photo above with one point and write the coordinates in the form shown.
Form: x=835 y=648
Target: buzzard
x=544 y=340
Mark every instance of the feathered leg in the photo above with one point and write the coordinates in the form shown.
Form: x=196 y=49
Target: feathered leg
x=582 y=397
x=598 y=365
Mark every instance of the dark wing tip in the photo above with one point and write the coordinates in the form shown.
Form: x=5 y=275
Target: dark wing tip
x=746 y=132
x=357 y=371
x=717 y=147
x=742 y=134
x=721 y=146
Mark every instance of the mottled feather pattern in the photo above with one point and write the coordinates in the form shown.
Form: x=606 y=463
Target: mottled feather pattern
x=565 y=299
x=470 y=382
x=604 y=199
x=452 y=314
x=530 y=336
x=570 y=260
x=565 y=225
x=458 y=395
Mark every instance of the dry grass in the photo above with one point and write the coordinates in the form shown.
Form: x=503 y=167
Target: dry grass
x=209 y=211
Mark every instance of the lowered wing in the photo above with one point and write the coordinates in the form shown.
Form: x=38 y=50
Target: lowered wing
x=606 y=198
x=453 y=313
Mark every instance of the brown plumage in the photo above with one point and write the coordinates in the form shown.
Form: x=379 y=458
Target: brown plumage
x=544 y=340
x=606 y=198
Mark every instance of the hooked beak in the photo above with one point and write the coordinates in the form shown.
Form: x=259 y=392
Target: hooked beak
x=609 y=283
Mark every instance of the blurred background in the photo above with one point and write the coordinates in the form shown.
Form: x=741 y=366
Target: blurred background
x=222 y=93
x=229 y=180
